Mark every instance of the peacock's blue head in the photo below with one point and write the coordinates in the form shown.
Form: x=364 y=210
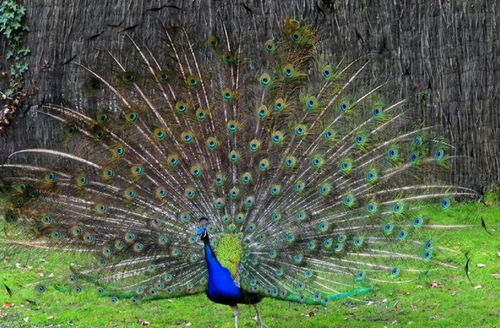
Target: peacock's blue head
x=202 y=230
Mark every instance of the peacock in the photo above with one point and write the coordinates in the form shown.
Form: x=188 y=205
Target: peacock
x=206 y=170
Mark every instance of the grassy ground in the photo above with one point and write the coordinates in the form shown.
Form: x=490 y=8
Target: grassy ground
x=454 y=303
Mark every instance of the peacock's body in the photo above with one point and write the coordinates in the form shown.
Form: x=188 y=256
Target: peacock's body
x=310 y=190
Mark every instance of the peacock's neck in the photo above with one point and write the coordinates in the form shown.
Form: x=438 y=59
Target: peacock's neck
x=210 y=257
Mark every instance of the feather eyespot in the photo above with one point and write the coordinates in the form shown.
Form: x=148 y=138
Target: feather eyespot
x=329 y=134
x=190 y=193
x=328 y=73
x=187 y=137
x=254 y=145
x=317 y=161
x=299 y=186
x=311 y=103
x=265 y=80
x=234 y=156
x=229 y=58
x=193 y=81
x=246 y=178
x=276 y=216
x=372 y=207
x=233 y=126
x=181 y=107
x=288 y=71
x=227 y=94
x=173 y=160
x=213 y=42
x=262 y=112
x=349 y=200
x=161 y=192
x=264 y=164
x=240 y=218
x=275 y=189
x=270 y=46
x=343 y=106
x=127 y=77
x=250 y=201
x=445 y=203
x=360 y=276
x=402 y=235
x=163 y=77
x=220 y=179
x=325 y=189
x=279 y=105
x=393 y=154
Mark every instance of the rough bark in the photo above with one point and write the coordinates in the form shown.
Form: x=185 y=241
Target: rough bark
x=450 y=49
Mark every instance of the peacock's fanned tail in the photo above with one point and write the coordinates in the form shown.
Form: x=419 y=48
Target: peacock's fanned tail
x=313 y=188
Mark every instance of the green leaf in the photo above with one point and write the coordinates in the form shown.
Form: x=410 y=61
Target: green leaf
x=9 y=92
x=23 y=51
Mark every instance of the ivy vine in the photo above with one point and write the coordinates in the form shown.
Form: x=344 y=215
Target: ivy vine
x=13 y=29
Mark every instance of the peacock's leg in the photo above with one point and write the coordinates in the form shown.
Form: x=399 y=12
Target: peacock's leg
x=236 y=313
x=259 y=319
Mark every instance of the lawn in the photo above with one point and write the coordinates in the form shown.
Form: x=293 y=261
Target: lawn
x=444 y=299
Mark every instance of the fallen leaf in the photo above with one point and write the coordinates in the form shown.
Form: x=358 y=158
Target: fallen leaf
x=480 y=265
x=144 y=323
x=310 y=314
x=435 y=284
x=478 y=287
x=6 y=305
x=496 y=275
x=26 y=319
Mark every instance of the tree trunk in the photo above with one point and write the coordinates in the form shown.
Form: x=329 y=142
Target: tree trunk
x=447 y=48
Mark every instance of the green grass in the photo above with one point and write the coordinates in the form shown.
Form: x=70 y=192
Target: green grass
x=456 y=303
